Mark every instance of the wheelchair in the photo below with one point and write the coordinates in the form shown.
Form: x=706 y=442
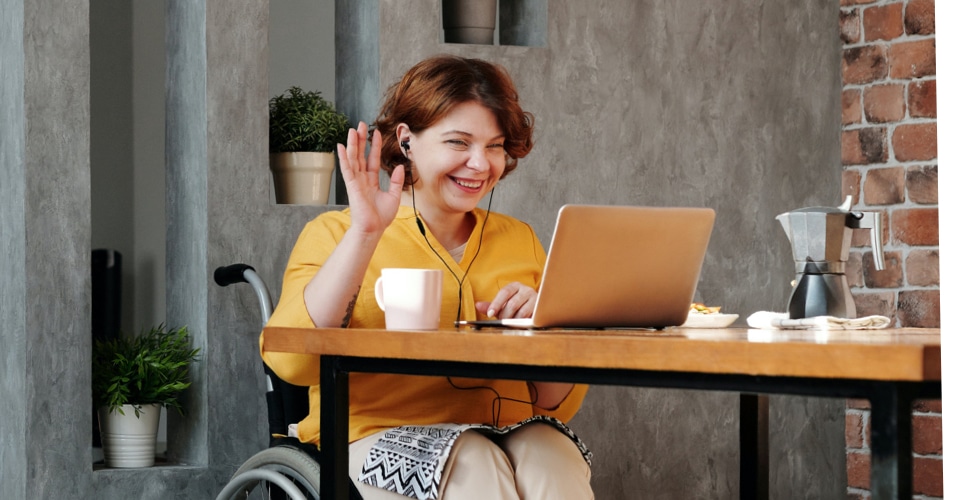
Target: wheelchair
x=287 y=469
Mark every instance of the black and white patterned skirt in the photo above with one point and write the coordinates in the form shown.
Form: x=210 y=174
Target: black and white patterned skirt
x=409 y=460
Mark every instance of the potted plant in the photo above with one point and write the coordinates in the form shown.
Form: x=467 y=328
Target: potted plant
x=304 y=129
x=133 y=377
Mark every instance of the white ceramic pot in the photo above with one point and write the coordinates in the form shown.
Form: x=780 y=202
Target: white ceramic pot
x=128 y=441
x=302 y=178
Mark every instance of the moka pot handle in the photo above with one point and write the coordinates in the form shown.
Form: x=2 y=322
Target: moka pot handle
x=872 y=221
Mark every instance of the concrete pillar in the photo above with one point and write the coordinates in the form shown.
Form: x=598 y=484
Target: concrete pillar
x=45 y=419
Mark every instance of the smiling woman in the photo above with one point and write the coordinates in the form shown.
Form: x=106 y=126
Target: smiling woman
x=449 y=130
x=454 y=163
x=433 y=87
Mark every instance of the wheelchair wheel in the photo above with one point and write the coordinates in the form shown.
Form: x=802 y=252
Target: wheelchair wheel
x=275 y=473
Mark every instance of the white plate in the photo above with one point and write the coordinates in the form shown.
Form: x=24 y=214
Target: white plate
x=716 y=320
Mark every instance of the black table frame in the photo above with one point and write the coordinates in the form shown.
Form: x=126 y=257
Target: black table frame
x=891 y=409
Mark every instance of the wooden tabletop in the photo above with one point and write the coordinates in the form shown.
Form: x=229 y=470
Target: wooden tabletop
x=890 y=354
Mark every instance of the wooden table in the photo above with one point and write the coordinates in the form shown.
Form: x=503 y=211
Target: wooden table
x=891 y=368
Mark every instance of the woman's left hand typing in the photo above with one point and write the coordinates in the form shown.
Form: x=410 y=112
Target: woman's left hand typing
x=514 y=300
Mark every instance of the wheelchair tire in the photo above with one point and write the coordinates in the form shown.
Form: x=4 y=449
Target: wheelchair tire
x=293 y=464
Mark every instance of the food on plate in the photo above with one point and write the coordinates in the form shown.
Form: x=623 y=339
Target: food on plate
x=699 y=308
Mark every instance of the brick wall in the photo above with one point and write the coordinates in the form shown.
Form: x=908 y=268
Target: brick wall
x=890 y=165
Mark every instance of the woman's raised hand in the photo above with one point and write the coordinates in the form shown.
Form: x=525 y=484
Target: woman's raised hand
x=372 y=209
x=331 y=293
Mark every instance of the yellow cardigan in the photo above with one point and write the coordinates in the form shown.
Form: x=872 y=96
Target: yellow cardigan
x=510 y=252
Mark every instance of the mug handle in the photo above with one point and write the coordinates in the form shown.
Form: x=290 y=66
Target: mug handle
x=378 y=289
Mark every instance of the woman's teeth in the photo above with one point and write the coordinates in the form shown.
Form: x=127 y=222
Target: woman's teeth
x=468 y=183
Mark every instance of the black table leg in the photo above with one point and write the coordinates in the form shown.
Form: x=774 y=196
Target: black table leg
x=333 y=430
x=753 y=446
x=891 y=469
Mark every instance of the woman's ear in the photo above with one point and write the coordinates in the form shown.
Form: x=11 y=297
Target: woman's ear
x=403 y=133
x=402 y=136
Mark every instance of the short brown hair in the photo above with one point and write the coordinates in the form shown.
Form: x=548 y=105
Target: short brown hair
x=429 y=91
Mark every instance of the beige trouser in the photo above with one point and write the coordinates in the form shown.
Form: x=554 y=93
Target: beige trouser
x=534 y=462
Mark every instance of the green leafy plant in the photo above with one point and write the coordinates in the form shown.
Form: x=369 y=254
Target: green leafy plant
x=304 y=121
x=152 y=368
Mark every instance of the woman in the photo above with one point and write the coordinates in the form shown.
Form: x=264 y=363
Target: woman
x=448 y=131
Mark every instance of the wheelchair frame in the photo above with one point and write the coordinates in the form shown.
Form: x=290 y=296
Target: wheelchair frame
x=287 y=468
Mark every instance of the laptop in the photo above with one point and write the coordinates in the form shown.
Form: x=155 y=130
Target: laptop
x=619 y=267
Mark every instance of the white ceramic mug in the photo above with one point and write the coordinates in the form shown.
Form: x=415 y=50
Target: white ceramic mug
x=411 y=298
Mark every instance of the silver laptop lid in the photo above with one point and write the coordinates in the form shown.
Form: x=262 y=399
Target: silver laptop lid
x=622 y=266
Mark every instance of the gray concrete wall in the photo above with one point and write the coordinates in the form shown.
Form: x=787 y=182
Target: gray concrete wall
x=219 y=212
x=13 y=297
x=302 y=38
x=216 y=108
x=128 y=63
x=729 y=105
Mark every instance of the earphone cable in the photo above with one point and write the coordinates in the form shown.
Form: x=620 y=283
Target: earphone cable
x=497 y=401
x=482 y=230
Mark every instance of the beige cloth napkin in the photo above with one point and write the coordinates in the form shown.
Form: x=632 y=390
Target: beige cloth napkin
x=766 y=319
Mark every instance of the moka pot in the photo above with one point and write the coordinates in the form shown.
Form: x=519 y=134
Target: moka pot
x=820 y=238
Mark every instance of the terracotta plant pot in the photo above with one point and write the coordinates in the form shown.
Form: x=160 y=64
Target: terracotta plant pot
x=469 y=21
x=129 y=441
x=302 y=178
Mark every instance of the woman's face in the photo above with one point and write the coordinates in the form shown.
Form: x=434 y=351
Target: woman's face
x=457 y=160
